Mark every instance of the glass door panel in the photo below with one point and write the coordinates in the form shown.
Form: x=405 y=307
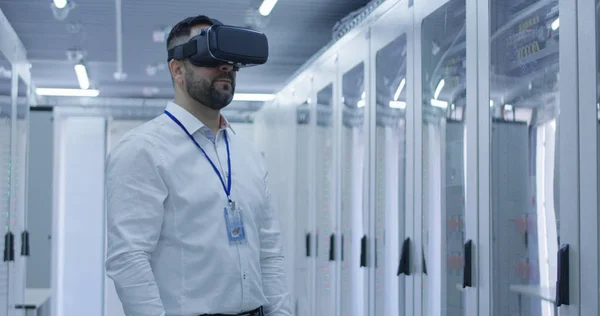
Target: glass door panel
x=524 y=107
x=443 y=169
x=325 y=202
x=353 y=169
x=390 y=179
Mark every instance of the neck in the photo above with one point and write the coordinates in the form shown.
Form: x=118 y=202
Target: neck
x=209 y=117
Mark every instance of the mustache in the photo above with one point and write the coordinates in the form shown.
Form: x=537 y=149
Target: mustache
x=227 y=76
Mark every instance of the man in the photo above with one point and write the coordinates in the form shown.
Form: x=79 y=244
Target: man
x=191 y=228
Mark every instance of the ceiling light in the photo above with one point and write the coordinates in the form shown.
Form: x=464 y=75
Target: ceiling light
x=257 y=97
x=61 y=4
x=67 y=92
x=397 y=105
x=399 y=90
x=361 y=103
x=266 y=7
x=556 y=24
x=439 y=103
x=82 y=76
x=439 y=88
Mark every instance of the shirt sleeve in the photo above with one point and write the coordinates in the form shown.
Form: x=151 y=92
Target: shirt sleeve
x=135 y=193
x=272 y=260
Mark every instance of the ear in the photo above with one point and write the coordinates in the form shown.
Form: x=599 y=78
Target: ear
x=177 y=70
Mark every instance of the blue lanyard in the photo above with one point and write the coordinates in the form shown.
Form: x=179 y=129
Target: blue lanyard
x=228 y=187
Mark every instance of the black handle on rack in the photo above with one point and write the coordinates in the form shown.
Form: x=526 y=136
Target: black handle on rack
x=363 y=251
x=342 y=246
x=9 y=246
x=467 y=267
x=308 y=244
x=404 y=266
x=562 y=281
x=424 y=262
x=332 y=247
x=25 y=243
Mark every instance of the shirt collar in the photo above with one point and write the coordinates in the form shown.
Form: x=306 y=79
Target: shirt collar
x=190 y=122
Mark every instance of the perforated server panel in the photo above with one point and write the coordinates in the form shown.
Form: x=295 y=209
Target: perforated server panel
x=509 y=174
x=455 y=210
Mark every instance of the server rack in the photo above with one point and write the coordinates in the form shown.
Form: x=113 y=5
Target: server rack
x=14 y=123
x=502 y=108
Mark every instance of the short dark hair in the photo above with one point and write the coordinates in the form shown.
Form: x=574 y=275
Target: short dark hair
x=180 y=33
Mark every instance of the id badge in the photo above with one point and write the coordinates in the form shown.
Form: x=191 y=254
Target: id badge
x=235 y=224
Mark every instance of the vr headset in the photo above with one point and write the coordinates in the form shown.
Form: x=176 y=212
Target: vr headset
x=223 y=44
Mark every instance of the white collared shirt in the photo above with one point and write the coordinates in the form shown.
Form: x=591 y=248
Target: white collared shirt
x=168 y=251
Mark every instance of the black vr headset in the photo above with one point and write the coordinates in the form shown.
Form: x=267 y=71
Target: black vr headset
x=224 y=44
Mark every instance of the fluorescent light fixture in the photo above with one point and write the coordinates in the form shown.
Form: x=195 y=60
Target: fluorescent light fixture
x=399 y=90
x=439 y=103
x=61 y=4
x=556 y=24
x=82 y=76
x=361 y=103
x=67 y=92
x=398 y=105
x=253 y=97
x=439 y=88
x=491 y=103
x=266 y=7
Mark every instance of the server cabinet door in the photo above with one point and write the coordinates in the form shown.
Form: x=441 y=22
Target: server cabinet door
x=18 y=225
x=356 y=240
x=305 y=233
x=588 y=23
x=6 y=111
x=392 y=50
x=390 y=178
x=442 y=165
x=354 y=217
x=324 y=143
x=590 y=207
x=524 y=147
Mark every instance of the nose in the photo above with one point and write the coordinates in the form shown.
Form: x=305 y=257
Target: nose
x=226 y=67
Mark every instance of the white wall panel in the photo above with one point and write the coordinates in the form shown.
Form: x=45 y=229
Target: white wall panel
x=78 y=260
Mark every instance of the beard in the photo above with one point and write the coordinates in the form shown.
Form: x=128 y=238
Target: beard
x=203 y=90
